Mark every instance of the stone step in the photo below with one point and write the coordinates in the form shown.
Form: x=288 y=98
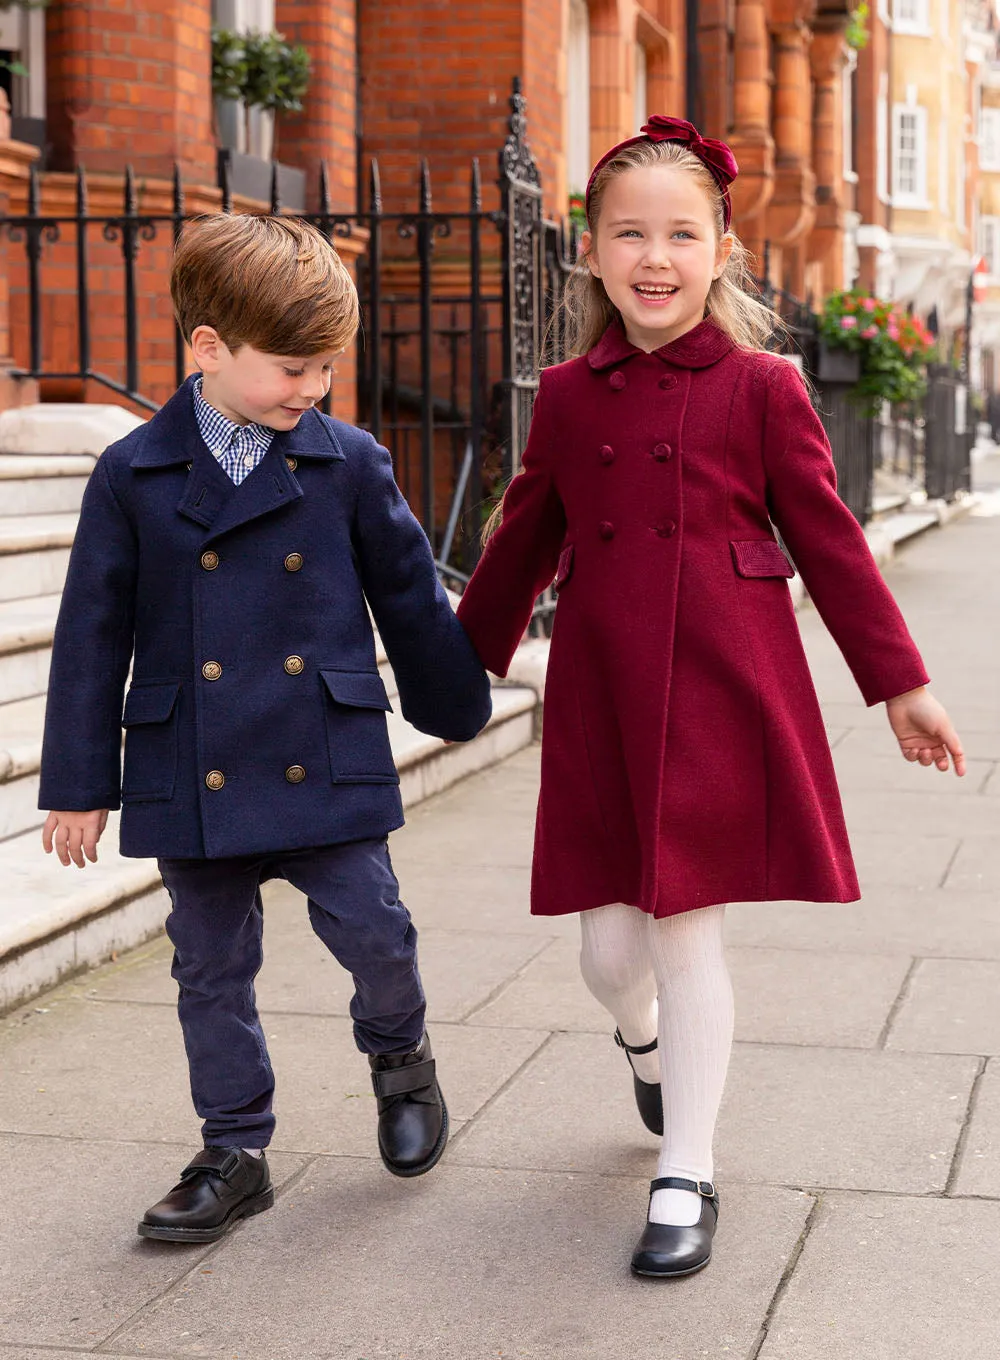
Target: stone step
x=26 y=628
x=58 y=921
x=36 y=484
x=34 y=553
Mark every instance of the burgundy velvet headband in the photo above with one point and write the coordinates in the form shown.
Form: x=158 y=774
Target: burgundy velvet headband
x=716 y=156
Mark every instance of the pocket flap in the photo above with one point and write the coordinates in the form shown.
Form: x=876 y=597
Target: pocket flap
x=565 y=568
x=760 y=557
x=150 y=703
x=359 y=689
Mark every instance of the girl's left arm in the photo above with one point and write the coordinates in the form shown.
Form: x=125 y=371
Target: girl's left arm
x=844 y=582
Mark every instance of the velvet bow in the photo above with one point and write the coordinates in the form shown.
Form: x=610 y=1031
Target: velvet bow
x=715 y=155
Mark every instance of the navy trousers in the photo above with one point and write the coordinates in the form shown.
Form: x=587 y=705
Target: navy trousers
x=216 y=928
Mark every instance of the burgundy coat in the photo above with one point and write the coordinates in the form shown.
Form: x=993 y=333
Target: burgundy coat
x=684 y=757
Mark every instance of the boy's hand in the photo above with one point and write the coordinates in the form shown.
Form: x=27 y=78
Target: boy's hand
x=924 y=731
x=74 y=835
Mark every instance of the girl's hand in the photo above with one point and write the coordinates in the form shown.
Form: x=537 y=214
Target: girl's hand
x=74 y=835
x=924 y=731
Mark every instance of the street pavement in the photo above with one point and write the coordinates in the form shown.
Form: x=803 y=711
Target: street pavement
x=858 y=1151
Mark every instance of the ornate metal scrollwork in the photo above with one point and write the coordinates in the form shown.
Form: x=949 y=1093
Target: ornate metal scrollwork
x=516 y=160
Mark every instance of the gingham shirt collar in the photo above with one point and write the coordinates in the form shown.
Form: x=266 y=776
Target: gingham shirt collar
x=237 y=448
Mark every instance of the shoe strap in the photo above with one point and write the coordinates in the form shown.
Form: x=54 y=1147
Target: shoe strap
x=402 y=1081
x=630 y=1048
x=704 y=1188
x=225 y=1163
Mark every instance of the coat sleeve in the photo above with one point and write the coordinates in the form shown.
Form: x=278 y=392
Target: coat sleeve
x=522 y=556
x=829 y=547
x=91 y=654
x=443 y=689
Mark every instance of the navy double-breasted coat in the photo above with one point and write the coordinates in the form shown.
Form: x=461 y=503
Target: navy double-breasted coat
x=255 y=717
x=684 y=757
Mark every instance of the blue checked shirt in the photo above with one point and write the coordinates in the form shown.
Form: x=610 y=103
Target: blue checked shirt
x=237 y=448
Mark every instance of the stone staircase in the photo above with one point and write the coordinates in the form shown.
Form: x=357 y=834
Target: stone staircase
x=55 y=921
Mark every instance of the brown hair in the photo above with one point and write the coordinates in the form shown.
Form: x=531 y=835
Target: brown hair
x=588 y=311
x=275 y=283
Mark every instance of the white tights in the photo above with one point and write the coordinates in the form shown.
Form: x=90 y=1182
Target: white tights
x=669 y=978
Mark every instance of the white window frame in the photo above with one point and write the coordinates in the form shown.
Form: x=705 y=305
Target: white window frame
x=640 y=87
x=916 y=116
x=882 y=139
x=988 y=243
x=912 y=17
x=578 y=96
x=847 y=112
x=989 y=137
x=23 y=33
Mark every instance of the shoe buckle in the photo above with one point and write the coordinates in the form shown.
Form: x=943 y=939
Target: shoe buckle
x=706 y=1189
x=618 y=1038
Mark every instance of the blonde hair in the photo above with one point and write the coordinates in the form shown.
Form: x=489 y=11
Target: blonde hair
x=587 y=309
x=274 y=283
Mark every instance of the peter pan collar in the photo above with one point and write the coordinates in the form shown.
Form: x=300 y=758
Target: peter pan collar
x=701 y=347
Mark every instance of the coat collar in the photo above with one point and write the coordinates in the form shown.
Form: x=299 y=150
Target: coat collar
x=701 y=347
x=172 y=434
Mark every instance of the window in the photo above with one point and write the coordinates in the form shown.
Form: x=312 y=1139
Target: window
x=989 y=138
x=22 y=40
x=578 y=97
x=960 y=186
x=245 y=16
x=882 y=140
x=909 y=156
x=640 y=89
x=911 y=16
x=943 y=180
x=848 y=79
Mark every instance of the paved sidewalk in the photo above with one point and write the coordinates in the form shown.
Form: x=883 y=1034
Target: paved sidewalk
x=858 y=1150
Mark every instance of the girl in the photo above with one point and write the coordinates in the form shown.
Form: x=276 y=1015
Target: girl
x=684 y=760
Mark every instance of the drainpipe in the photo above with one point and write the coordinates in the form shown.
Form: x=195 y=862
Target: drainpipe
x=691 y=100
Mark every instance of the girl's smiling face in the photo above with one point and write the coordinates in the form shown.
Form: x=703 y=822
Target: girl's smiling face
x=656 y=251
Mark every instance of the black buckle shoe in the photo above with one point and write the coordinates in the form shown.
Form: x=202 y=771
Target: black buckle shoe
x=648 y=1095
x=665 y=1251
x=216 y=1189
x=412 y=1115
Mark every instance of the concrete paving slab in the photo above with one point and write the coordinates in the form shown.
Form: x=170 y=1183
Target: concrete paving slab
x=72 y=1268
x=892 y=1279
x=937 y=811
x=979 y=1171
x=886 y=921
x=976 y=867
x=462 y=1266
x=951 y=1006
x=460 y=969
x=893 y=855
x=863 y=770
x=63 y=1074
x=802 y=997
x=783 y=1119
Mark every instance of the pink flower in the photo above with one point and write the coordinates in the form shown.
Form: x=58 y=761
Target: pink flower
x=869 y=304
x=892 y=332
x=869 y=333
x=847 y=323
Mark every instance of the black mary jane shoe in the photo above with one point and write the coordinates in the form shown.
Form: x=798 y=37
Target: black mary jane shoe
x=665 y=1251
x=412 y=1115
x=648 y=1094
x=216 y=1189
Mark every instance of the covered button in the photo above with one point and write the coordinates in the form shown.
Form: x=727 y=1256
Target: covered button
x=617 y=380
x=661 y=452
x=667 y=381
x=666 y=529
x=606 y=453
x=606 y=529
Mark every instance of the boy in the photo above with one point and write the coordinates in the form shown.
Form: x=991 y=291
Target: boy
x=226 y=550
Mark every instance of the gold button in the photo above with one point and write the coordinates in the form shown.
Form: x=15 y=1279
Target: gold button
x=215 y=779
x=295 y=774
x=211 y=670
x=293 y=562
x=210 y=560
x=292 y=464
x=294 y=665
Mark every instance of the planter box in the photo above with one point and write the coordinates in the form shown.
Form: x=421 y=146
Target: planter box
x=250 y=177
x=838 y=365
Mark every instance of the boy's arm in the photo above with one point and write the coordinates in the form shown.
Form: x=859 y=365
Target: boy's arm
x=92 y=649
x=443 y=688
x=522 y=556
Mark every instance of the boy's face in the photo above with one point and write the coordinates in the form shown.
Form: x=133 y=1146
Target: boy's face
x=251 y=387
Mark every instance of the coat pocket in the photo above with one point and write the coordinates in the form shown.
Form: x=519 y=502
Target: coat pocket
x=565 y=568
x=150 y=722
x=356 y=705
x=756 y=557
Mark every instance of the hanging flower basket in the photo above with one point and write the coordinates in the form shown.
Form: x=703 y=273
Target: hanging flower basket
x=837 y=365
x=879 y=347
